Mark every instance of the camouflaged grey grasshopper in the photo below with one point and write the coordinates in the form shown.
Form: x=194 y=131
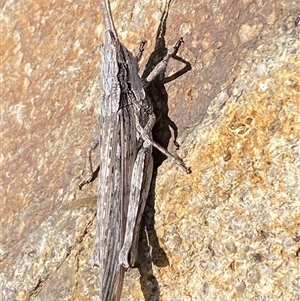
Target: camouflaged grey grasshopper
x=126 y=163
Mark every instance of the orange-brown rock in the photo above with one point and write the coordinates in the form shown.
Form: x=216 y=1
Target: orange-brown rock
x=229 y=230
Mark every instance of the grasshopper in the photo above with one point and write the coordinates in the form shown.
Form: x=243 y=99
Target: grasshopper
x=126 y=163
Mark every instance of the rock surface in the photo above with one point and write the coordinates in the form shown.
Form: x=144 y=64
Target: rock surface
x=228 y=231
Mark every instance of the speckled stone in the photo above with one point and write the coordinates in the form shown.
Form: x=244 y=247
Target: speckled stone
x=229 y=230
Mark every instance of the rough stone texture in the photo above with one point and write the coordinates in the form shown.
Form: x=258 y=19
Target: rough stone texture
x=231 y=228
x=228 y=231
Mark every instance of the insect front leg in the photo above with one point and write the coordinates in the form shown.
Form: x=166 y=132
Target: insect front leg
x=161 y=66
x=140 y=50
